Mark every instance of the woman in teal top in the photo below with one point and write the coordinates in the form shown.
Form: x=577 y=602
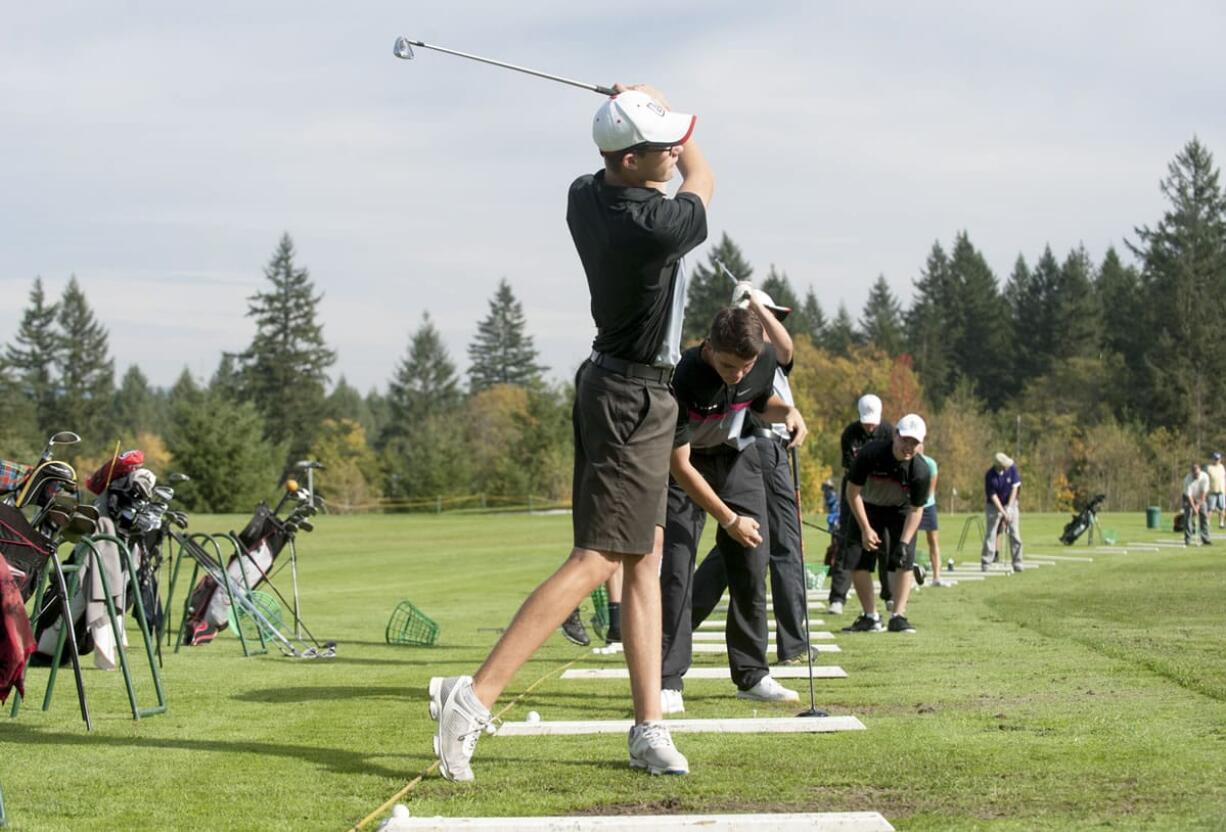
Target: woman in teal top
x=928 y=523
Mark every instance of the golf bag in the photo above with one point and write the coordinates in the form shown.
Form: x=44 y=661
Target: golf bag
x=262 y=540
x=23 y=549
x=125 y=495
x=1082 y=520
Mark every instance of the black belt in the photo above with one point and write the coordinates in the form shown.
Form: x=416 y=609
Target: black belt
x=661 y=375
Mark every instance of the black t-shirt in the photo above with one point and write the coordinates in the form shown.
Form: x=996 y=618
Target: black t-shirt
x=856 y=437
x=710 y=413
x=630 y=241
x=886 y=482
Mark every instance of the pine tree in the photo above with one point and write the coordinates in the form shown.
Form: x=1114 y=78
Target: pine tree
x=932 y=326
x=1119 y=296
x=1184 y=287
x=346 y=403
x=841 y=335
x=502 y=352
x=710 y=288
x=284 y=370
x=227 y=380
x=881 y=321
x=1076 y=315
x=19 y=434
x=220 y=444
x=981 y=338
x=137 y=408
x=32 y=360
x=810 y=319
x=85 y=369
x=424 y=382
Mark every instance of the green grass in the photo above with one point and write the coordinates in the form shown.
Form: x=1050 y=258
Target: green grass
x=1077 y=696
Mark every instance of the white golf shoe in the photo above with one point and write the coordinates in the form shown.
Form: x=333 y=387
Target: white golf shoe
x=461 y=718
x=835 y=608
x=671 y=701
x=768 y=690
x=651 y=747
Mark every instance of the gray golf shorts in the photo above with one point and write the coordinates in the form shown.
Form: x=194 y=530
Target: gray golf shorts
x=928 y=521
x=1217 y=500
x=624 y=431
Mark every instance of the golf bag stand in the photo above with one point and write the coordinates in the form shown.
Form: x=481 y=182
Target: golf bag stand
x=973 y=520
x=238 y=594
x=59 y=592
x=194 y=546
x=88 y=547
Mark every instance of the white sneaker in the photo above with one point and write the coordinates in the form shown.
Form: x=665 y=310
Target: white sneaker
x=461 y=719
x=768 y=690
x=671 y=701
x=835 y=608
x=651 y=747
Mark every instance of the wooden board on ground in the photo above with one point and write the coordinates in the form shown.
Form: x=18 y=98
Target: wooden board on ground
x=783 y=822
x=787 y=672
x=749 y=725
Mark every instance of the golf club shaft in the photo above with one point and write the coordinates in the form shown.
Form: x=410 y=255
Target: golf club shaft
x=794 y=460
x=593 y=87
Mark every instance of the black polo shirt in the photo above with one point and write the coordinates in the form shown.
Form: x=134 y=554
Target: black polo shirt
x=711 y=414
x=886 y=482
x=856 y=437
x=631 y=241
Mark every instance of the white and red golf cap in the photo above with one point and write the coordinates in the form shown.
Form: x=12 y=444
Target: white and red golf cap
x=633 y=118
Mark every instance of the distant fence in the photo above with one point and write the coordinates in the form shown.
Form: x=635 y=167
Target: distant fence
x=457 y=504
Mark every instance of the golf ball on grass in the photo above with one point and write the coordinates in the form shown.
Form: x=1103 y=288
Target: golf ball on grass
x=532 y=716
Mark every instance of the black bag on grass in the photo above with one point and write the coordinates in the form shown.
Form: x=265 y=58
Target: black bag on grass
x=262 y=540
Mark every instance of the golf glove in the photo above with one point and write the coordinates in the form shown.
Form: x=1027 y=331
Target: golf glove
x=741 y=293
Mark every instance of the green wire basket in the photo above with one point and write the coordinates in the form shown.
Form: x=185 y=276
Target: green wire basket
x=268 y=606
x=409 y=625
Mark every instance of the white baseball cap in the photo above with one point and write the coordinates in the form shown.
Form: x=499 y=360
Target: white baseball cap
x=633 y=118
x=912 y=425
x=870 y=409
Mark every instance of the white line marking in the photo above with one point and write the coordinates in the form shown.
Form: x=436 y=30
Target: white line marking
x=789 y=672
x=755 y=725
x=791 y=822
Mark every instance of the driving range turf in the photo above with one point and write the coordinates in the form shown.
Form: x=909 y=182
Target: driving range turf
x=1080 y=695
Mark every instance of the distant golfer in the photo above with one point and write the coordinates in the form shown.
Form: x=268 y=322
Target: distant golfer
x=631 y=240
x=886 y=488
x=1217 y=489
x=869 y=427
x=1001 y=485
x=1195 y=505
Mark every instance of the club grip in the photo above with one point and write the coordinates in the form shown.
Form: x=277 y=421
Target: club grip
x=609 y=91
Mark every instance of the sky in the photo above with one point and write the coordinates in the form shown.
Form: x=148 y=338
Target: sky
x=159 y=151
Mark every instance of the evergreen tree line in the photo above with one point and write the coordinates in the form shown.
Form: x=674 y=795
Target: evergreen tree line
x=1100 y=375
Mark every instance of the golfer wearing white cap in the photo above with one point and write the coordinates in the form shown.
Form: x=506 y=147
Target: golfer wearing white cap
x=855 y=436
x=886 y=488
x=631 y=239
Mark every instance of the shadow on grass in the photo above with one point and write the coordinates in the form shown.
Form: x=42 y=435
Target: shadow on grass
x=330 y=693
x=337 y=760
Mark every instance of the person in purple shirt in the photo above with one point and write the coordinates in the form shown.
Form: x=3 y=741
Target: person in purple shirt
x=1000 y=486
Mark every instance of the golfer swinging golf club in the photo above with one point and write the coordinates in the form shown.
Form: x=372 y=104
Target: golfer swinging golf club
x=631 y=239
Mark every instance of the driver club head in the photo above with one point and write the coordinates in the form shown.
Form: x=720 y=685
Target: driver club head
x=403 y=49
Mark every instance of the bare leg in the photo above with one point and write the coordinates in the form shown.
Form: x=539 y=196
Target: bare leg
x=542 y=613
x=902 y=590
x=863 y=581
x=642 y=624
x=934 y=555
x=614 y=585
